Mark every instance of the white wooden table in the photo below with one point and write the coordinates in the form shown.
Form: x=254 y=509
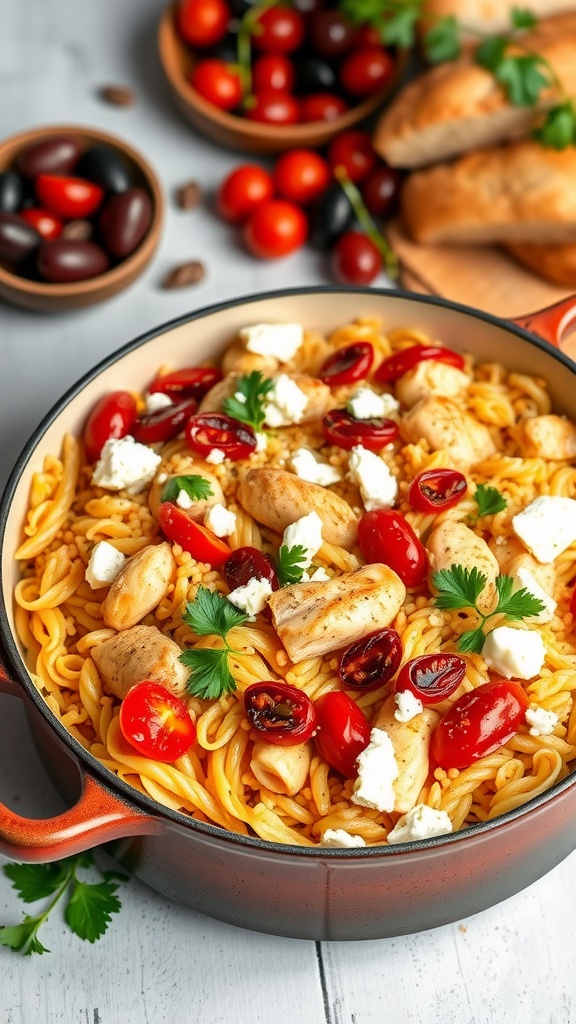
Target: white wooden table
x=160 y=963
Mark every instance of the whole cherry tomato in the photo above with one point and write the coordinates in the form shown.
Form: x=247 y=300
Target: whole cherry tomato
x=156 y=722
x=343 y=731
x=478 y=723
x=279 y=713
x=242 y=191
x=355 y=259
x=331 y=34
x=245 y=564
x=70 y=198
x=364 y=71
x=273 y=108
x=217 y=82
x=367 y=35
x=209 y=430
x=353 y=150
x=431 y=677
x=372 y=661
x=386 y=536
x=322 y=106
x=407 y=358
x=201 y=543
x=113 y=416
x=278 y=30
x=47 y=224
x=341 y=428
x=192 y=382
x=348 y=364
x=164 y=424
x=202 y=22
x=380 y=190
x=273 y=72
x=301 y=175
x=435 y=490
x=275 y=229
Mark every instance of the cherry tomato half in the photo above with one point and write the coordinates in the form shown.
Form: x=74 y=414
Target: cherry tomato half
x=434 y=490
x=273 y=108
x=355 y=259
x=353 y=150
x=301 y=175
x=217 y=82
x=401 y=362
x=341 y=428
x=348 y=364
x=113 y=416
x=202 y=22
x=280 y=713
x=278 y=30
x=364 y=71
x=47 y=224
x=478 y=723
x=245 y=564
x=273 y=72
x=156 y=722
x=189 y=383
x=343 y=731
x=431 y=677
x=70 y=198
x=275 y=229
x=165 y=423
x=370 y=662
x=210 y=430
x=386 y=536
x=201 y=543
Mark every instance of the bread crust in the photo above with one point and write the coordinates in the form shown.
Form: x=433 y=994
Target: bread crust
x=556 y=263
x=491 y=15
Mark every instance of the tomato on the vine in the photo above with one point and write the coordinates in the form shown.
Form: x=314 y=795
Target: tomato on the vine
x=348 y=364
x=273 y=72
x=341 y=428
x=279 y=713
x=201 y=543
x=164 y=424
x=69 y=198
x=372 y=661
x=301 y=175
x=209 y=430
x=217 y=82
x=431 y=677
x=353 y=150
x=384 y=535
x=406 y=359
x=113 y=416
x=156 y=722
x=275 y=229
x=435 y=490
x=202 y=22
x=322 y=106
x=364 y=71
x=343 y=731
x=355 y=259
x=190 y=382
x=278 y=30
x=478 y=723
x=245 y=564
x=273 y=108
x=242 y=191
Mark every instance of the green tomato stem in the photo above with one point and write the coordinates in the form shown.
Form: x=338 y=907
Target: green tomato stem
x=366 y=223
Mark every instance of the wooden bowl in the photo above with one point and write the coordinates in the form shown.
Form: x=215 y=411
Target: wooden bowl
x=235 y=132
x=45 y=297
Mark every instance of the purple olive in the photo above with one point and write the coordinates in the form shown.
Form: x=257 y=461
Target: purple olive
x=63 y=261
x=11 y=191
x=17 y=238
x=124 y=221
x=58 y=155
x=106 y=167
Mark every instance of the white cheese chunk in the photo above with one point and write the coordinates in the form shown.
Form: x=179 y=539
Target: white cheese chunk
x=377 y=770
x=309 y=468
x=220 y=520
x=547 y=526
x=281 y=341
x=541 y=722
x=366 y=404
x=156 y=401
x=407 y=706
x=126 y=464
x=524 y=578
x=215 y=456
x=183 y=500
x=285 y=402
x=240 y=397
x=420 y=822
x=339 y=838
x=378 y=486
x=104 y=565
x=307 y=533
x=318 y=576
x=251 y=598
x=261 y=441
x=514 y=653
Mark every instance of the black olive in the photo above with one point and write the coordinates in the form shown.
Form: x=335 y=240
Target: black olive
x=104 y=166
x=331 y=216
x=239 y=7
x=17 y=238
x=63 y=261
x=11 y=191
x=226 y=49
x=314 y=75
x=57 y=155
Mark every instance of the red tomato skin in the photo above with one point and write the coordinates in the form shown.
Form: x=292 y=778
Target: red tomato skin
x=435 y=490
x=201 y=543
x=69 y=198
x=348 y=364
x=164 y=424
x=217 y=82
x=202 y=22
x=341 y=428
x=278 y=30
x=188 y=383
x=301 y=176
x=369 y=663
x=322 y=106
x=365 y=71
x=355 y=259
x=156 y=722
x=47 y=224
x=210 y=430
x=342 y=732
x=431 y=677
x=272 y=72
x=286 y=730
x=407 y=358
x=113 y=416
x=275 y=229
x=242 y=191
x=354 y=152
x=478 y=723
x=273 y=108
x=386 y=536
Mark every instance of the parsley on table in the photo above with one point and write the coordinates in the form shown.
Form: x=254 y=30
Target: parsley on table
x=292 y=564
x=210 y=614
x=459 y=587
x=250 y=407
x=196 y=487
x=88 y=906
x=489 y=501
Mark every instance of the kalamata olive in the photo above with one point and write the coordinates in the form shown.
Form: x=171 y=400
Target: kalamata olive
x=124 y=221
x=106 y=167
x=246 y=564
x=64 y=260
x=331 y=216
x=57 y=155
x=331 y=34
x=11 y=191
x=17 y=238
x=314 y=75
x=380 y=190
x=239 y=7
x=372 y=661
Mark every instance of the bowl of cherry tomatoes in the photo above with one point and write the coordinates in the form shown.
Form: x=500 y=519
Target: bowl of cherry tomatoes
x=80 y=217
x=265 y=77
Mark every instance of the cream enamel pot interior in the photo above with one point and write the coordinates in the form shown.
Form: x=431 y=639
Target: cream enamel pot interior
x=284 y=890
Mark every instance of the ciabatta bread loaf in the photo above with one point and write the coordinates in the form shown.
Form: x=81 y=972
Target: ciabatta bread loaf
x=556 y=263
x=491 y=16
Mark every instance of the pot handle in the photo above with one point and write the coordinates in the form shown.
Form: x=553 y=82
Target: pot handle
x=550 y=324
x=96 y=818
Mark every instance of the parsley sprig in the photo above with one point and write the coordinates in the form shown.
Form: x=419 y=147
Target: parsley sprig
x=292 y=564
x=211 y=614
x=196 y=487
x=459 y=587
x=489 y=501
x=253 y=387
x=88 y=909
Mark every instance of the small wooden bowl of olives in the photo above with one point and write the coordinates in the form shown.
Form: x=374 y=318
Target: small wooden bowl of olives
x=310 y=73
x=80 y=217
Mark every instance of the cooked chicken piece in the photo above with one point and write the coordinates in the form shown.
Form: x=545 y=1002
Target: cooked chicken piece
x=511 y=555
x=454 y=543
x=317 y=393
x=546 y=437
x=237 y=359
x=431 y=378
x=136 y=654
x=140 y=585
x=315 y=618
x=446 y=427
x=225 y=388
x=411 y=742
x=281 y=769
x=277 y=498
x=200 y=507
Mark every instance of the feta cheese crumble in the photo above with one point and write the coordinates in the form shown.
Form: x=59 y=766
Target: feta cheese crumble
x=126 y=464
x=309 y=468
x=215 y=456
x=420 y=822
x=542 y=722
x=547 y=526
x=156 y=401
x=307 y=533
x=366 y=404
x=377 y=770
x=407 y=706
x=281 y=341
x=261 y=441
x=514 y=653
x=251 y=598
x=183 y=500
x=378 y=486
x=524 y=578
x=339 y=838
x=318 y=576
x=220 y=520
x=285 y=402
x=104 y=565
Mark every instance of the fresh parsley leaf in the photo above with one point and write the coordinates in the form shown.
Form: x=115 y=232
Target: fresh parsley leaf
x=472 y=641
x=253 y=388
x=523 y=76
x=212 y=614
x=292 y=564
x=522 y=18
x=441 y=41
x=195 y=486
x=36 y=881
x=395 y=19
x=489 y=501
x=558 y=129
x=458 y=587
x=22 y=938
x=90 y=907
x=490 y=53
x=520 y=604
x=210 y=675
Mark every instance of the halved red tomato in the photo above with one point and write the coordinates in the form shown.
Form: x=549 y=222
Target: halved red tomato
x=156 y=722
